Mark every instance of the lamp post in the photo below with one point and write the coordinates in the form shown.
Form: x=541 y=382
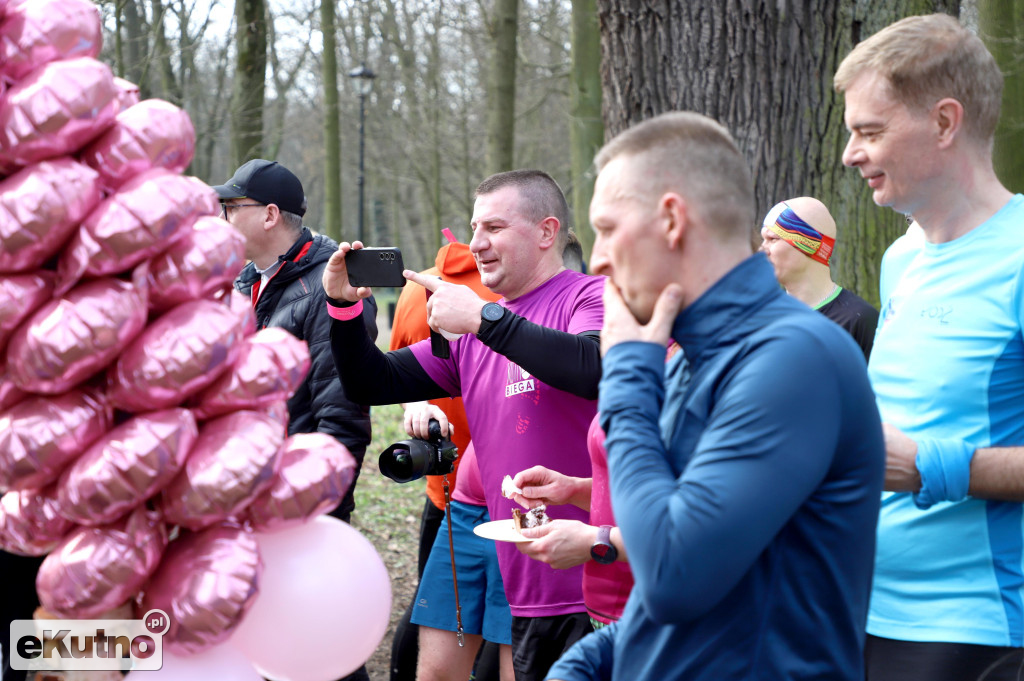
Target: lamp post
x=364 y=77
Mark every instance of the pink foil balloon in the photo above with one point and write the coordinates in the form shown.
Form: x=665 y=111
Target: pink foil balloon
x=127 y=93
x=96 y=569
x=35 y=32
x=232 y=462
x=126 y=466
x=139 y=221
x=40 y=436
x=329 y=577
x=30 y=524
x=204 y=260
x=270 y=366
x=206 y=583
x=242 y=308
x=150 y=134
x=20 y=296
x=55 y=110
x=175 y=357
x=40 y=207
x=10 y=395
x=71 y=338
x=316 y=472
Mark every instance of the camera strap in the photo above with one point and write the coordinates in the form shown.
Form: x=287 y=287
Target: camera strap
x=451 y=551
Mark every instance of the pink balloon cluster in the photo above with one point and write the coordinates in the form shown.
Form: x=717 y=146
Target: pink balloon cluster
x=142 y=434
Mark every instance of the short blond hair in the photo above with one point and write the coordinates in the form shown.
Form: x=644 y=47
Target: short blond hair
x=927 y=58
x=695 y=156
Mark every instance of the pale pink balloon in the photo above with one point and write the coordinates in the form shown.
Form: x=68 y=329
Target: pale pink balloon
x=29 y=522
x=205 y=583
x=40 y=207
x=142 y=219
x=41 y=436
x=178 y=355
x=20 y=296
x=96 y=569
x=329 y=577
x=35 y=32
x=126 y=466
x=71 y=338
x=316 y=472
x=127 y=93
x=222 y=663
x=241 y=306
x=10 y=395
x=270 y=366
x=232 y=462
x=55 y=110
x=204 y=260
x=277 y=411
x=150 y=134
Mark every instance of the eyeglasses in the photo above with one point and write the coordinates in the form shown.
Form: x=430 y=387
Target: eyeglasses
x=225 y=206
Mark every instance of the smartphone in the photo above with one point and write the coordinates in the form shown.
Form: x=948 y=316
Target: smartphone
x=375 y=267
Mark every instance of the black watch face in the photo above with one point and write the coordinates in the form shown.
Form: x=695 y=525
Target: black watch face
x=602 y=553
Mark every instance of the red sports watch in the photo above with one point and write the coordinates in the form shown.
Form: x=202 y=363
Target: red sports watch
x=603 y=551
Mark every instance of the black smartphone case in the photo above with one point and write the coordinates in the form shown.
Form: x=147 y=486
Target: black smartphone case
x=375 y=267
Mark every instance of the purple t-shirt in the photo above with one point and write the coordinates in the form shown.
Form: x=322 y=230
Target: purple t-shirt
x=518 y=422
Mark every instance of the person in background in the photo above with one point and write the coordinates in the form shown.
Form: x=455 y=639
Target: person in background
x=799 y=236
x=745 y=487
x=922 y=102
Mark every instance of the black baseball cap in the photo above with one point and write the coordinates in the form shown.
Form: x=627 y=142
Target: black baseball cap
x=267 y=182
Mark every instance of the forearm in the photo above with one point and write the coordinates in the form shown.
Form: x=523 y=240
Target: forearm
x=562 y=360
x=997 y=473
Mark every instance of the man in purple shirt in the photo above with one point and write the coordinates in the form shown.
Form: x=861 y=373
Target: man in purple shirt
x=527 y=368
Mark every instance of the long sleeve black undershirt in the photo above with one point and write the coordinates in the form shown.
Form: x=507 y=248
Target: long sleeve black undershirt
x=562 y=360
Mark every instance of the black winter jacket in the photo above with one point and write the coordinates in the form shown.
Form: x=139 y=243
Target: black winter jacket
x=294 y=299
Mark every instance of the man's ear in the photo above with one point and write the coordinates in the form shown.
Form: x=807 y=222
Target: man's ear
x=549 y=227
x=949 y=118
x=674 y=217
x=272 y=218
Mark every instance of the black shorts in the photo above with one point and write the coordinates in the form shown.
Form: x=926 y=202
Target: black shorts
x=889 y=660
x=538 y=642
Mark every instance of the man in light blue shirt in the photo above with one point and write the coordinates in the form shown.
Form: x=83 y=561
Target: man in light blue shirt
x=922 y=101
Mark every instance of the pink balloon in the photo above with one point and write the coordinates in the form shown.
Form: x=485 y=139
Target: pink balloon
x=10 y=395
x=232 y=462
x=151 y=134
x=204 y=260
x=20 y=296
x=270 y=366
x=40 y=436
x=55 y=110
x=35 y=32
x=142 y=219
x=127 y=93
x=206 y=583
x=69 y=339
x=242 y=308
x=178 y=355
x=40 y=207
x=316 y=472
x=96 y=569
x=126 y=466
x=222 y=663
x=328 y=577
x=30 y=524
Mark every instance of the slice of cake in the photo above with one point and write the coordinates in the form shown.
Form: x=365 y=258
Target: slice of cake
x=535 y=517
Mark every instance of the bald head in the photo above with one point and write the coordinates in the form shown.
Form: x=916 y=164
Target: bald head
x=813 y=212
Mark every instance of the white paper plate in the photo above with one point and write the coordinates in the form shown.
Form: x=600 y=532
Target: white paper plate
x=499 y=530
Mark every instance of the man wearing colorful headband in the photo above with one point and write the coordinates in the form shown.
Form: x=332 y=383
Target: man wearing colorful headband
x=798 y=238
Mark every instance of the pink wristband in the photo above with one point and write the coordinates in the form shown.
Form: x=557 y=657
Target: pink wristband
x=345 y=313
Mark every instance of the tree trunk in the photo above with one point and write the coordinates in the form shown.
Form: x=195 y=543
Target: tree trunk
x=762 y=68
x=250 y=75
x=1001 y=26
x=332 y=130
x=586 y=131
x=501 y=101
x=136 y=45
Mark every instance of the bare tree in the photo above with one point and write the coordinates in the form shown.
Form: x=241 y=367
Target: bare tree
x=586 y=131
x=1001 y=26
x=503 y=27
x=248 y=88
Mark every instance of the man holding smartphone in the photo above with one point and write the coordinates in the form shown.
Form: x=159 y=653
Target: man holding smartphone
x=527 y=368
x=265 y=202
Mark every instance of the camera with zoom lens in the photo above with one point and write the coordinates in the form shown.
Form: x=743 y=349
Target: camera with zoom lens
x=410 y=460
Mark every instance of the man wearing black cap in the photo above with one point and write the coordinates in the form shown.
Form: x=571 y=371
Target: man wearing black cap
x=265 y=202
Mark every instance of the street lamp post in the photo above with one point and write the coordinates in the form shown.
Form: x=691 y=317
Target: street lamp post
x=364 y=77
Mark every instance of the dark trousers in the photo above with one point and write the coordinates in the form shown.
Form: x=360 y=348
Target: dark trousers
x=538 y=642
x=18 y=601
x=889 y=660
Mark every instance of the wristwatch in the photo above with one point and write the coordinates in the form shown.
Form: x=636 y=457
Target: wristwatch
x=602 y=551
x=489 y=316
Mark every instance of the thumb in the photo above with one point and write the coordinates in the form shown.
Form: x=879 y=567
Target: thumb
x=665 y=311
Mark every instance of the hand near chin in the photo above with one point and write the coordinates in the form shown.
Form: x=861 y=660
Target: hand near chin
x=621 y=326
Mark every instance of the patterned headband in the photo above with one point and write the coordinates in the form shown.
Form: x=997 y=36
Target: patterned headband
x=788 y=226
